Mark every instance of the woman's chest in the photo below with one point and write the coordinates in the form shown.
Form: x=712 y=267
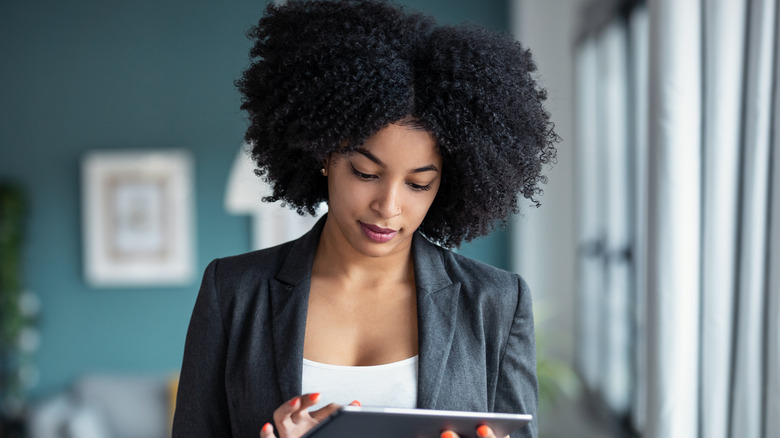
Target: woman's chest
x=360 y=326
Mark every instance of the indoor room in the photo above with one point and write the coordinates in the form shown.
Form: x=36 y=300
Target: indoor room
x=651 y=257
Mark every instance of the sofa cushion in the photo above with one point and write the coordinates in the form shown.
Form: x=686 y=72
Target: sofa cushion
x=133 y=406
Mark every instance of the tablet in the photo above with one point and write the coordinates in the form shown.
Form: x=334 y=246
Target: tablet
x=362 y=421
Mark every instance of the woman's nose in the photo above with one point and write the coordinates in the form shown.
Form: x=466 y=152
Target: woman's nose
x=387 y=202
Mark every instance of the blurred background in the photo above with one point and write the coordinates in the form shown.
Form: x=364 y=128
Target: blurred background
x=650 y=259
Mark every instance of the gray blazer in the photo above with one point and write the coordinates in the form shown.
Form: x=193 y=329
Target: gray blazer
x=244 y=349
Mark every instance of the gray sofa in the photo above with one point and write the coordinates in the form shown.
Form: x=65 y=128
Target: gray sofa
x=106 y=406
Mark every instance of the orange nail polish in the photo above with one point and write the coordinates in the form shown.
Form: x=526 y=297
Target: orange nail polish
x=294 y=401
x=483 y=430
x=267 y=427
x=355 y=403
x=314 y=396
x=447 y=434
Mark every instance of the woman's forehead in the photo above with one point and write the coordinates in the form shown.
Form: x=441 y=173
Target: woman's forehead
x=396 y=144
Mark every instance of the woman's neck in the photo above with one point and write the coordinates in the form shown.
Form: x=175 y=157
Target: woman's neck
x=336 y=259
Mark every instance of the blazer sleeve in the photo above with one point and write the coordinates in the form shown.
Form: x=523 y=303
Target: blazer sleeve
x=201 y=402
x=517 y=387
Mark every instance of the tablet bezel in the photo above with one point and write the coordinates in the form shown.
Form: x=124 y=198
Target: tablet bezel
x=413 y=423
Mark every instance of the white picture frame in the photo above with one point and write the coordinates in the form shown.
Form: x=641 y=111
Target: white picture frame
x=138 y=221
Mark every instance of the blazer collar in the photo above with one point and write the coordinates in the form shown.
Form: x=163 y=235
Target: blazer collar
x=437 y=305
x=289 y=292
x=436 y=309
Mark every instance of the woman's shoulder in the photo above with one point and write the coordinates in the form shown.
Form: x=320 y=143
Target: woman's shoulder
x=498 y=296
x=290 y=260
x=475 y=275
x=263 y=256
x=479 y=270
x=245 y=271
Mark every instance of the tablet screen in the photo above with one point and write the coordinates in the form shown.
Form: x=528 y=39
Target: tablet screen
x=412 y=423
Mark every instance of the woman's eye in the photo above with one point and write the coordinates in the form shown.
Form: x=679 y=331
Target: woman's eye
x=419 y=187
x=360 y=174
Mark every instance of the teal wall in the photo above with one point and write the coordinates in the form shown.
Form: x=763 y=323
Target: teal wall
x=104 y=74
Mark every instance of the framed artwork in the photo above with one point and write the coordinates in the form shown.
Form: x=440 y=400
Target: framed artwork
x=137 y=209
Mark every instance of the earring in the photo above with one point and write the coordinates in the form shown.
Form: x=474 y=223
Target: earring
x=324 y=172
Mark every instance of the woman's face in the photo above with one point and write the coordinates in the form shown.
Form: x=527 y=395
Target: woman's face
x=379 y=195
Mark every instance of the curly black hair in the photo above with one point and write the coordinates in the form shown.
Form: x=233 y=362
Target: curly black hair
x=326 y=75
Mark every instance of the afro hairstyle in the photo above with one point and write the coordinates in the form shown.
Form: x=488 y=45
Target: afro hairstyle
x=326 y=75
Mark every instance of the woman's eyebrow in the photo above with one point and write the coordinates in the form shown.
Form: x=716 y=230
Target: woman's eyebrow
x=428 y=168
x=375 y=159
x=371 y=156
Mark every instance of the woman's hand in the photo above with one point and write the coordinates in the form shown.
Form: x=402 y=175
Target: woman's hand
x=482 y=432
x=293 y=418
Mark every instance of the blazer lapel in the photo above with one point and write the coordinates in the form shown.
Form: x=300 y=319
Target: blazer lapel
x=289 y=292
x=437 y=305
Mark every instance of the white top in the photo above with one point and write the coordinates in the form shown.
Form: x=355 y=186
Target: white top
x=387 y=385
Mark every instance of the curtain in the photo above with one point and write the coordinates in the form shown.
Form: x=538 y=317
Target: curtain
x=686 y=321
x=749 y=372
x=617 y=323
x=590 y=223
x=772 y=406
x=606 y=320
x=724 y=47
x=638 y=95
x=673 y=217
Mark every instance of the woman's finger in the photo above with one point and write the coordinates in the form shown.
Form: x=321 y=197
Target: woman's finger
x=485 y=432
x=293 y=419
x=283 y=412
x=294 y=410
x=324 y=412
x=267 y=431
x=308 y=400
x=482 y=432
x=305 y=402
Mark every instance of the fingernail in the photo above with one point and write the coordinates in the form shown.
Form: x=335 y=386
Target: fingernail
x=355 y=403
x=314 y=396
x=294 y=401
x=447 y=434
x=267 y=427
x=483 y=430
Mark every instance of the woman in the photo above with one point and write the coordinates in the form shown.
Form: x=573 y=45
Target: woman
x=412 y=133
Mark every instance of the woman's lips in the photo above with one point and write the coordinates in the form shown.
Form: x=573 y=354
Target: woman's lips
x=378 y=234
